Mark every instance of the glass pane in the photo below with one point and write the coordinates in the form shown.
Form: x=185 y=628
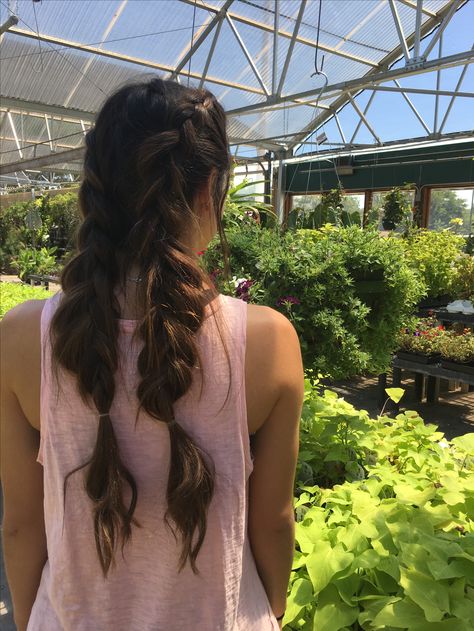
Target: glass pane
x=451 y=208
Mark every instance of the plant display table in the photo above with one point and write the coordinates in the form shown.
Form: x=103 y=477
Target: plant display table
x=461 y=318
x=432 y=372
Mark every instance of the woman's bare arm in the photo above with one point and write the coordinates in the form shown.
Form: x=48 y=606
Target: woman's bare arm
x=275 y=444
x=23 y=536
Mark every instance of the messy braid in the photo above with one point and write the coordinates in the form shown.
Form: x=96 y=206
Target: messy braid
x=154 y=145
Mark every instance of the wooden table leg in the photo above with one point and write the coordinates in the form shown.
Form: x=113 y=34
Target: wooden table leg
x=419 y=386
x=432 y=389
x=396 y=377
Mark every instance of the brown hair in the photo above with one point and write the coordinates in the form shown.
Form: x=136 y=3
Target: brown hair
x=155 y=144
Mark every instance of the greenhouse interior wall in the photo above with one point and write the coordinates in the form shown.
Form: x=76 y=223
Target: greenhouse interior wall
x=419 y=168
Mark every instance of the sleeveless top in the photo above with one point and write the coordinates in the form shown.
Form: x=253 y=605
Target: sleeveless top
x=145 y=591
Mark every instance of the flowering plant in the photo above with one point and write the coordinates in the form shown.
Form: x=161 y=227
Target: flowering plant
x=423 y=338
x=457 y=347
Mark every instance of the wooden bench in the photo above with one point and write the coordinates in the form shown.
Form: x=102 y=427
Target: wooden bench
x=43 y=280
x=433 y=373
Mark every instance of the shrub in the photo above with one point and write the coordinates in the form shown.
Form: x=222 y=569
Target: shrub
x=55 y=222
x=462 y=283
x=343 y=330
x=432 y=255
x=34 y=261
x=391 y=544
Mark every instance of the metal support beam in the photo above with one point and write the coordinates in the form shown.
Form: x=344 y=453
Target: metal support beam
x=49 y=132
x=33 y=108
x=416 y=45
x=211 y=51
x=215 y=20
x=451 y=102
x=438 y=85
x=437 y=34
x=365 y=121
x=367 y=81
x=401 y=34
x=15 y=135
x=35 y=163
x=412 y=5
x=389 y=88
x=276 y=27
x=247 y=55
x=413 y=108
x=340 y=128
x=9 y=22
x=132 y=60
x=366 y=109
x=269 y=29
x=89 y=61
x=291 y=47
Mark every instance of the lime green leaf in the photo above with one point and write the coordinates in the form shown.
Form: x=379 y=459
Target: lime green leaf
x=301 y=595
x=395 y=394
x=402 y=614
x=334 y=616
x=429 y=594
x=325 y=562
x=465 y=443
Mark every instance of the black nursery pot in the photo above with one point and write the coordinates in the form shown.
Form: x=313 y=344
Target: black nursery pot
x=436 y=302
x=418 y=357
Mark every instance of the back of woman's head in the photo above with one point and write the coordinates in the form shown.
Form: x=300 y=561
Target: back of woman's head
x=155 y=147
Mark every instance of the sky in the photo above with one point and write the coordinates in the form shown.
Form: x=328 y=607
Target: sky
x=389 y=114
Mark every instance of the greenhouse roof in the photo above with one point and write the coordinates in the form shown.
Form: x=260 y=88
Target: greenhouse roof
x=285 y=70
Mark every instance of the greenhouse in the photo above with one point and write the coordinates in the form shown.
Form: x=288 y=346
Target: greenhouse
x=350 y=210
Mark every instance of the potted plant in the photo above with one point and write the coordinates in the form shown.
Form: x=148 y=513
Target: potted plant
x=396 y=209
x=457 y=351
x=420 y=344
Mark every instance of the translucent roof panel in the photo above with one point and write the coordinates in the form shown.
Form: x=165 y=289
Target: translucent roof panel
x=64 y=57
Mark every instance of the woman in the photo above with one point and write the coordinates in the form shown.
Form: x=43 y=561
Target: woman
x=156 y=515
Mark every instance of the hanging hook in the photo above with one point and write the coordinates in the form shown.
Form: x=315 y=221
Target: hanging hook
x=319 y=72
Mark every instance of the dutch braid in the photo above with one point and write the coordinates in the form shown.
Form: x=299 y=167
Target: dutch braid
x=169 y=140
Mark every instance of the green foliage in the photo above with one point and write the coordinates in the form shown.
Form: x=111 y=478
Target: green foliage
x=12 y=294
x=34 y=261
x=396 y=209
x=242 y=208
x=343 y=329
x=462 y=283
x=432 y=255
x=334 y=209
x=391 y=544
x=44 y=222
x=65 y=219
x=456 y=348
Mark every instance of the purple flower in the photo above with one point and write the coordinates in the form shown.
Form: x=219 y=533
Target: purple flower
x=287 y=299
x=416 y=334
x=242 y=289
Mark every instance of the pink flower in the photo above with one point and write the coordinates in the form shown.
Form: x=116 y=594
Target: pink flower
x=287 y=299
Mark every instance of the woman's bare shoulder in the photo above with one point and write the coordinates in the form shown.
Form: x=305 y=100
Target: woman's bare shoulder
x=268 y=326
x=20 y=334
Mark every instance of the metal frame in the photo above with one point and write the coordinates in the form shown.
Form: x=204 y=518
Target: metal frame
x=330 y=100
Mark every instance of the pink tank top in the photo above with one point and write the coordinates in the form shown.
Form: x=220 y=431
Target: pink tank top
x=145 y=592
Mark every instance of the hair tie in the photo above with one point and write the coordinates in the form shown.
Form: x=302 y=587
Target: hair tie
x=104 y=414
